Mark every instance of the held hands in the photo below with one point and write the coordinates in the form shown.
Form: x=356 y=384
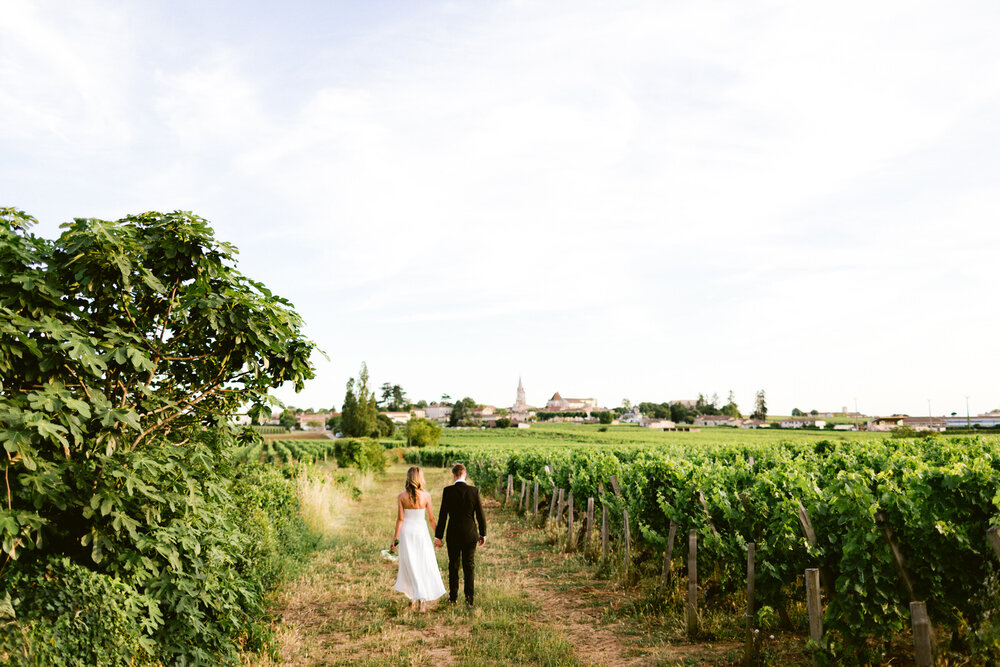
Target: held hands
x=482 y=540
x=438 y=542
x=392 y=549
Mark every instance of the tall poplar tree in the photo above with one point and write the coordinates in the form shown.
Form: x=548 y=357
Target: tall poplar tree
x=360 y=413
x=760 y=406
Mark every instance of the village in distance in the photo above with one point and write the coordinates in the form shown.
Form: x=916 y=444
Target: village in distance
x=676 y=415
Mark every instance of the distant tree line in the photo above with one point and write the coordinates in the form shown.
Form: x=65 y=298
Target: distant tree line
x=603 y=416
x=681 y=413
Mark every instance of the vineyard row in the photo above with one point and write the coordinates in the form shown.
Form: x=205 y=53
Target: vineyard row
x=886 y=523
x=287 y=451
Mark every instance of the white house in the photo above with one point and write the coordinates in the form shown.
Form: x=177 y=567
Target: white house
x=313 y=421
x=716 y=420
x=661 y=424
x=803 y=422
x=403 y=417
x=437 y=412
x=885 y=423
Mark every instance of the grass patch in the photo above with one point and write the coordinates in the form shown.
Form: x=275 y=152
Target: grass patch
x=514 y=641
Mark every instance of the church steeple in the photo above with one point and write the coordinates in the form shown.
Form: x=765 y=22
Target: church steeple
x=521 y=401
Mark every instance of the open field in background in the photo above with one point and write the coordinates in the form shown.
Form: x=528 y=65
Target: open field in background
x=548 y=434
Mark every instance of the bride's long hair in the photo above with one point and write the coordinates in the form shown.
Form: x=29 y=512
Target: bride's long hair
x=414 y=482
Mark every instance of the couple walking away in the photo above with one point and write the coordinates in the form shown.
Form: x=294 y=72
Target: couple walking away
x=461 y=510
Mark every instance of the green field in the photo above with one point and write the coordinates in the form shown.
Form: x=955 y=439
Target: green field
x=547 y=434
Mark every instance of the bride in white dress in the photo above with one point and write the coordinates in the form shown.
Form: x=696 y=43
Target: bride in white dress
x=418 y=577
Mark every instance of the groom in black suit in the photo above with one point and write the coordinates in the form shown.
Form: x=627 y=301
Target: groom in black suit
x=461 y=510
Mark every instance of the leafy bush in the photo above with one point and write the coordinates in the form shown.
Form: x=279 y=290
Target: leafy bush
x=365 y=454
x=384 y=427
x=66 y=614
x=267 y=507
x=125 y=347
x=910 y=432
x=422 y=433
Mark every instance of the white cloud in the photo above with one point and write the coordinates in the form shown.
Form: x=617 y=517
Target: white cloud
x=62 y=84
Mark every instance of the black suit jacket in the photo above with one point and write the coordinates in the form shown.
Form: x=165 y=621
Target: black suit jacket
x=461 y=510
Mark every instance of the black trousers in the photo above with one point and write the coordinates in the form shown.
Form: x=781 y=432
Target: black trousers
x=464 y=554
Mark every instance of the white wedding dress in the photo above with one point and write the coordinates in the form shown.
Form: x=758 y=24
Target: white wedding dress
x=418 y=577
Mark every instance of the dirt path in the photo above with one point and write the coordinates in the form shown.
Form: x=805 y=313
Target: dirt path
x=575 y=610
x=535 y=604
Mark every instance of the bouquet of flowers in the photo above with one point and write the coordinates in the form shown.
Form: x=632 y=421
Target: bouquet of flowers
x=388 y=555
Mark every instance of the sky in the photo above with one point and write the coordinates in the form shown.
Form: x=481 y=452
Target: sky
x=642 y=200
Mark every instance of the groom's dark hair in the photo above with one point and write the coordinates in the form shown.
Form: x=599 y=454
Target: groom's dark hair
x=458 y=470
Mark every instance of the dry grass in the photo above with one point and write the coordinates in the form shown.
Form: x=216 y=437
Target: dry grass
x=324 y=505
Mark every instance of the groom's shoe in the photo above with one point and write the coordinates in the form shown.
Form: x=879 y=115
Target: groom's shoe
x=468 y=603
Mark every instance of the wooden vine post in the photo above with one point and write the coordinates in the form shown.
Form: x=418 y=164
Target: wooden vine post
x=590 y=525
x=923 y=635
x=534 y=511
x=750 y=645
x=628 y=531
x=993 y=534
x=510 y=489
x=692 y=601
x=569 y=522
x=604 y=533
x=522 y=497
x=897 y=556
x=814 y=605
x=923 y=631
x=810 y=534
x=668 y=556
x=628 y=543
x=552 y=505
x=604 y=524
